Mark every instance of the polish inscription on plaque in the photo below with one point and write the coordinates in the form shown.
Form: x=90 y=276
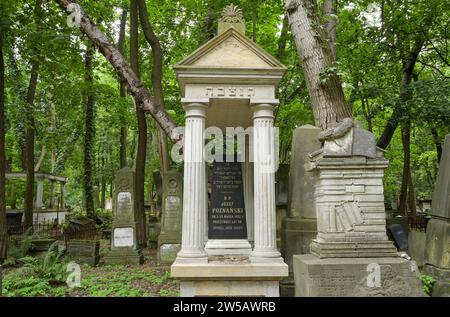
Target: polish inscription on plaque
x=227 y=209
x=124 y=203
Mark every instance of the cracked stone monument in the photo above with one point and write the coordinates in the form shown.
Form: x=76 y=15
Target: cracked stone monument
x=169 y=240
x=437 y=245
x=229 y=82
x=300 y=226
x=124 y=248
x=351 y=254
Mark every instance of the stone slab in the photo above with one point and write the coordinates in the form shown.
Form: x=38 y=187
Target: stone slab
x=437 y=250
x=441 y=196
x=348 y=277
x=442 y=287
x=416 y=246
x=124 y=256
x=167 y=253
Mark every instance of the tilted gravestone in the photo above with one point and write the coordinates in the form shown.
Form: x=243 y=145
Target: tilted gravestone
x=300 y=226
x=351 y=254
x=169 y=240
x=84 y=251
x=124 y=248
x=437 y=250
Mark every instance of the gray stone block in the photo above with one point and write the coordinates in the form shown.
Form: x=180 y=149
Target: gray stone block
x=359 y=277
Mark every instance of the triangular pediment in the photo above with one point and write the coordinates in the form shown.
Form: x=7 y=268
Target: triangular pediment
x=230 y=50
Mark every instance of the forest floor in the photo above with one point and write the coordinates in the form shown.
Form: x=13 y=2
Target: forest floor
x=147 y=280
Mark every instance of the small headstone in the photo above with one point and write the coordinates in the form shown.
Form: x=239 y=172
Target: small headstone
x=124 y=248
x=84 y=251
x=227 y=212
x=169 y=240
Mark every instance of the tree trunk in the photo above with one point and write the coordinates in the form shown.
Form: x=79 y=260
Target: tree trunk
x=330 y=12
x=103 y=195
x=158 y=91
x=281 y=52
x=123 y=129
x=125 y=72
x=3 y=228
x=438 y=143
x=405 y=94
x=142 y=131
x=411 y=196
x=209 y=26
x=89 y=133
x=322 y=81
x=406 y=141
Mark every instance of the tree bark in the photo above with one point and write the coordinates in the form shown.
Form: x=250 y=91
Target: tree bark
x=281 y=52
x=3 y=228
x=330 y=12
x=123 y=129
x=254 y=17
x=158 y=91
x=322 y=80
x=406 y=141
x=89 y=133
x=142 y=131
x=103 y=184
x=125 y=72
x=405 y=94
x=438 y=143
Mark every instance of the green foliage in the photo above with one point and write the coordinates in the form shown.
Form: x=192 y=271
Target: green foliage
x=427 y=283
x=19 y=247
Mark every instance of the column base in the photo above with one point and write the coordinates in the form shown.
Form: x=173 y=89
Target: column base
x=357 y=249
x=228 y=247
x=348 y=277
x=191 y=256
x=221 y=278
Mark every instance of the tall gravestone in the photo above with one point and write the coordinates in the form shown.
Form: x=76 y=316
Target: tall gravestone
x=300 y=226
x=124 y=248
x=437 y=250
x=169 y=240
x=351 y=254
x=281 y=196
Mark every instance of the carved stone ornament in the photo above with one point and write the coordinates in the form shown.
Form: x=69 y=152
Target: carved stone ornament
x=232 y=14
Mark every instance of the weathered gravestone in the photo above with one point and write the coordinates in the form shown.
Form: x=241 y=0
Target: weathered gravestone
x=437 y=251
x=84 y=251
x=169 y=240
x=124 y=248
x=300 y=226
x=351 y=254
x=281 y=195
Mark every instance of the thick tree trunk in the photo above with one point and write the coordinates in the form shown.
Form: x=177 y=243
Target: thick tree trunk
x=89 y=133
x=158 y=91
x=103 y=184
x=125 y=72
x=322 y=81
x=142 y=131
x=254 y=18
x=123 y=129
x=330 y=12
x=3 y=228
x=209 y=26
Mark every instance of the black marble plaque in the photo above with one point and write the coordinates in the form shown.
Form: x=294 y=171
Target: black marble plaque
x=227 y=209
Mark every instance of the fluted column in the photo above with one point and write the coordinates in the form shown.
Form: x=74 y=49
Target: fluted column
x=265 y=248
x=194 y=195
x=248 y=193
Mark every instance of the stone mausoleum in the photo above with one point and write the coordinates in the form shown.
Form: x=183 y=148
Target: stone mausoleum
x=228 y=245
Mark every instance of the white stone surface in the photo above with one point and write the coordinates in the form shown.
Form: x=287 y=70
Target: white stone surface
x=123 y=237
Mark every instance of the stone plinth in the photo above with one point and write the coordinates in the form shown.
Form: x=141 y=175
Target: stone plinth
x=355 y=277
x=437 y=250
x=352 y=255
x=229 y=277
x=169 y=240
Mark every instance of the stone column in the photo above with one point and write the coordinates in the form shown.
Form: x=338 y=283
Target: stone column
x=194 y=201
x=39 y=192
x=248 y=194
x=265 y=249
